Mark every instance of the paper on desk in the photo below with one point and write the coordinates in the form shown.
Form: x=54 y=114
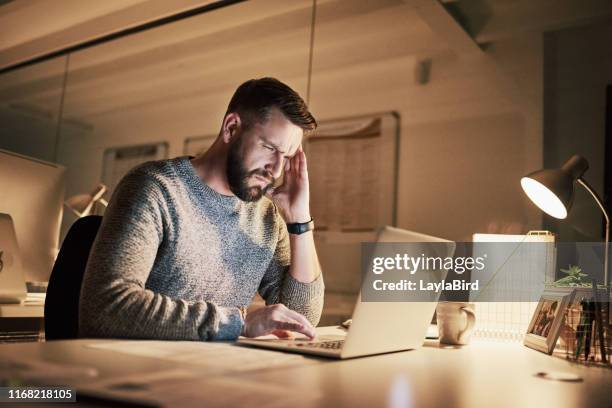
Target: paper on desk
x=181 y=388
x=138 y=388
x=218 y=357
x=29 y=371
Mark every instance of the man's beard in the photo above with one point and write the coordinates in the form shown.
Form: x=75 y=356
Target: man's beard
x=238 y=177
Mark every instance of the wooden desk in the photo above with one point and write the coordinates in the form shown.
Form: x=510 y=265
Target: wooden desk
x=483 y=374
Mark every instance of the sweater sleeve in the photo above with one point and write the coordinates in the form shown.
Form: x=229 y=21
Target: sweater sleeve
x=114 y=301
x=278 y=286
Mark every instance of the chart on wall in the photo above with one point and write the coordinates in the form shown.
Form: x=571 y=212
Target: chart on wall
x=119 y=160
x=352 y=169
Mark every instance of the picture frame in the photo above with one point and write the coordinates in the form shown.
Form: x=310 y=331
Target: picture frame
x=545 y=325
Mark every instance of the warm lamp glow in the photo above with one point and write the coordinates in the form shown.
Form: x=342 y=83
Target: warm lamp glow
x=545 y=199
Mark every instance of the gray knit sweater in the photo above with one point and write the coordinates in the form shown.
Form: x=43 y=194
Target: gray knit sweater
x=174 y=259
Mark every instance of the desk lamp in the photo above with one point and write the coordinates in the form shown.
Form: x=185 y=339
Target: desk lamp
x=82 y=204
x=552 y=190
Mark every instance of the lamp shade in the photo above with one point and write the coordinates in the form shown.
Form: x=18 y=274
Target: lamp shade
x=552 y=190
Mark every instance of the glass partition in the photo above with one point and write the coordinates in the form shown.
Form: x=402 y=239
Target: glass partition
x=172 y=83
x=30 y=105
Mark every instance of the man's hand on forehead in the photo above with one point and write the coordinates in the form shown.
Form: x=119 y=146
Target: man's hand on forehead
x=297 y=149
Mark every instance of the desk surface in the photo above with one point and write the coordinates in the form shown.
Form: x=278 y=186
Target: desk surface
x=483 y=374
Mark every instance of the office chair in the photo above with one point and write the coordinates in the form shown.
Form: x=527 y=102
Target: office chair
x=62 y=300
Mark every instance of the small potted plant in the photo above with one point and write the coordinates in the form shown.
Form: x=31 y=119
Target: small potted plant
x=574 y=277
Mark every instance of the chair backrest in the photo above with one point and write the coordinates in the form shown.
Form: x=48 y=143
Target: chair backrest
x=62 y=300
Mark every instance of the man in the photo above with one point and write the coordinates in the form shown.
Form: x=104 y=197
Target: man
x=186 y=243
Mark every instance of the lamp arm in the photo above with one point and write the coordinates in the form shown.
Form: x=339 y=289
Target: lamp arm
x=588 y=188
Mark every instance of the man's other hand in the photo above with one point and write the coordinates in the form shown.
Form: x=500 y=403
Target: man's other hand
x=274 y=319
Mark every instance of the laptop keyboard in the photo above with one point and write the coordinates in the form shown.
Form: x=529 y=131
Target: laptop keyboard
x=328 y=345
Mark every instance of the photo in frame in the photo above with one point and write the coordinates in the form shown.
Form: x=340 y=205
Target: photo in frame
x=545 y=326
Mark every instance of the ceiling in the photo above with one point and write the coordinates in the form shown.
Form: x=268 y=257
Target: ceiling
x=182 y=66
x=31 y=28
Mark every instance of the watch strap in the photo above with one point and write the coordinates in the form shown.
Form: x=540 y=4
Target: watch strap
x=300 y=227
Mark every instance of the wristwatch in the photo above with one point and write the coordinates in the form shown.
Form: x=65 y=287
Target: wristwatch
x=300 y=227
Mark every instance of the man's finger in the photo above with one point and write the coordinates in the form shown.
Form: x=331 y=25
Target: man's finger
x=304 y=163
x=293 y=315
x=292 y=326
x=296 y=162
x=283 y=334
x=301 y=164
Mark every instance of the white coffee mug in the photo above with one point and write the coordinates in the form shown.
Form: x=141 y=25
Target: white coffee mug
x=455 y=322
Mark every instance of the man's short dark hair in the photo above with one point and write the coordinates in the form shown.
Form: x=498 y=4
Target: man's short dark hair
x=255 y=99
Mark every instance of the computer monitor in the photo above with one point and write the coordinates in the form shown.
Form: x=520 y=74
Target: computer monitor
x=32 y=193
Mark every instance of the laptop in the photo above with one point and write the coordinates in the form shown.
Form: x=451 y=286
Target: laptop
x=377 y=327
x=12 y=281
